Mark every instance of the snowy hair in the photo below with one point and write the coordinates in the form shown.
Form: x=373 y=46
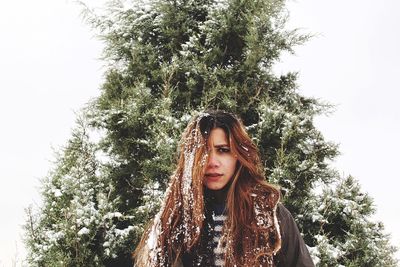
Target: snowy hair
x=178 y=226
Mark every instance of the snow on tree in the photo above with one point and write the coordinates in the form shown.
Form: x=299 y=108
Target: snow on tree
x=167 y=60
x=77 y=225
x=347 y=235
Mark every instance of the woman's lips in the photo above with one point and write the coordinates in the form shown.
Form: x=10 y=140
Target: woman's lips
x=213 y=176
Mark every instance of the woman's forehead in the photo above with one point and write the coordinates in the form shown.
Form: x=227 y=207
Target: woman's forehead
x=217 y=137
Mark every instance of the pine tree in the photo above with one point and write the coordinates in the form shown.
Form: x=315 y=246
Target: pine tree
x=77 y=223
x=168 y=60
x=60 y=233
x=347 y=235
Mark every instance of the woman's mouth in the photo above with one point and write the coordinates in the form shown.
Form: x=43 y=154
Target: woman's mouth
x=213 y=175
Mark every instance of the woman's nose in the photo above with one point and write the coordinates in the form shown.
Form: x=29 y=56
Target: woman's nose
x=213 y=160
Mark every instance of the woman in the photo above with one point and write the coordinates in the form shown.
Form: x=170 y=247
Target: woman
x=218 y=209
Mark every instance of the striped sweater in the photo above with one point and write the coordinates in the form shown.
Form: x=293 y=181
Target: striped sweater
x=208 y=253
x=218 y=249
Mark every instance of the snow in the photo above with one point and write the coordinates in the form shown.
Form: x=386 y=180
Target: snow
x=244 y=147
x=83 y=231
x=53 y=236
x=57 y=193
x=187 y=172
x=192 y=143
x=151 y=242
x=314 y=255
x=112 y=215
x=124 y=232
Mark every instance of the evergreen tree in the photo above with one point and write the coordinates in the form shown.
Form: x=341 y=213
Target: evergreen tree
x=168 y=60
x=347 y=235
x=77 y=223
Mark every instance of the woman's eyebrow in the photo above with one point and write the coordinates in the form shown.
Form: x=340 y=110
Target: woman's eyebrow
x=221 y=145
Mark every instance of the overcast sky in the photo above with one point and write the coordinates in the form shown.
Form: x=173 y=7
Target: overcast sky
x=49 y=70
x=354 y=63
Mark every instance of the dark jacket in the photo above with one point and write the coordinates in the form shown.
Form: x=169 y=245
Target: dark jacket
x=293 y=252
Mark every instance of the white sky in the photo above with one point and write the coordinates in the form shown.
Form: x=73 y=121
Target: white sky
x=49 y=69
x=354 y=63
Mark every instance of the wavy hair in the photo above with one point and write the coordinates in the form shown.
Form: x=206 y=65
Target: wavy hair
x=251 y=231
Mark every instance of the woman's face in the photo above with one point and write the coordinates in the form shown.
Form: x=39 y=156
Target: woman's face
x=221 y=162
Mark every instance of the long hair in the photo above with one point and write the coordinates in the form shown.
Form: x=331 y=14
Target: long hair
x=251 y=231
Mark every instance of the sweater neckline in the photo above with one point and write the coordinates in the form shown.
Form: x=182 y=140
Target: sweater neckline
x=216 y=196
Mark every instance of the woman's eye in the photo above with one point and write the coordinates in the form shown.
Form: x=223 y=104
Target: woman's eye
x=224 y=149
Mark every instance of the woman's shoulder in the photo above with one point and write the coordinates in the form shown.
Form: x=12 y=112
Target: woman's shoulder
x=282 y=212
x=293 y=251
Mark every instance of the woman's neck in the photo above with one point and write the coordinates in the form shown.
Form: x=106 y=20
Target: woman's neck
x=216 y=196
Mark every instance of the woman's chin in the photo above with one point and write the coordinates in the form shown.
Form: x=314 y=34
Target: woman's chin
x=214 y=186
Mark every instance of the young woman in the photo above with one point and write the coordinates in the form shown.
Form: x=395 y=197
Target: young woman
x=218 y=209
